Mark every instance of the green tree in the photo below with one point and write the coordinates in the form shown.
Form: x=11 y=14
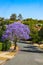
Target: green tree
x=2 y=29
x=1 y=19
x=13 y=17
x=19 y=17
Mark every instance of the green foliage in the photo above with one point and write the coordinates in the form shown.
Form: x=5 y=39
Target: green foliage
x=2 y=29
x=1 y=19
x=1 y=46
x=19 y=17
x=13 y=17
x=30 y=22
x=35 y=36
x=41 y=33
x=6 y=45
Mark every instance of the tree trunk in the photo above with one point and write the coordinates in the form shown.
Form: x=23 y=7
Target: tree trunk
x=15 y=45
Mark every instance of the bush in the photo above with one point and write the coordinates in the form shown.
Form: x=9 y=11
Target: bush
x=0 y=46
x=35 y=36
x=5 y=46
x=41 y=33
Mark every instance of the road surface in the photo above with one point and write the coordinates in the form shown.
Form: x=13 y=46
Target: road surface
x=27 y=55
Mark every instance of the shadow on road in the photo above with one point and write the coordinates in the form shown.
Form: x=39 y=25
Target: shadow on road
x=32 y=49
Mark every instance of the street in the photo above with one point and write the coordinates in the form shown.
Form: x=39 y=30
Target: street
x=27 y=55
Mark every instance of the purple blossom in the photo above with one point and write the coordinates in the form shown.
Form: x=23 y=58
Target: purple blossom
x=20 y=30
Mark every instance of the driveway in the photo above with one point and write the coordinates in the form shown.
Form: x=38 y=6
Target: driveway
x=27 y=55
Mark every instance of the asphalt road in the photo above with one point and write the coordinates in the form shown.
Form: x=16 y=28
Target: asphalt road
x=27 y=55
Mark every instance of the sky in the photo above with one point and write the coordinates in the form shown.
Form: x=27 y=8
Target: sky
x=28 y=8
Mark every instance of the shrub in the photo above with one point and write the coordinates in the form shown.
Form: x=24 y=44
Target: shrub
x=41 y=33
x=1 y=46
x=6 y=45
x=35 y=36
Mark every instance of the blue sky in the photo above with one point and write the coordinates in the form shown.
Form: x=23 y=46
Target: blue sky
x=28 y=8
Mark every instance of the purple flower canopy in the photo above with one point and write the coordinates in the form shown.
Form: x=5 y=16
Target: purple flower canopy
x=20 y=30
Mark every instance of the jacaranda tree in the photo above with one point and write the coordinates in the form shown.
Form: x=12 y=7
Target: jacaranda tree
x=16 y=31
